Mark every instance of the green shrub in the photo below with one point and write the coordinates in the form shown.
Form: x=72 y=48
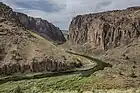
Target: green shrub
x=18 y=90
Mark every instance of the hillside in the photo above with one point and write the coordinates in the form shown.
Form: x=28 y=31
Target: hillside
x=105 y=30
x=41 y=27
x=113 y=37
x=101 y=54
x=22 y=50
x=37 y=25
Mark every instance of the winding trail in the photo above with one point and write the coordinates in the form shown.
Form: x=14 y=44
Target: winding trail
x=84 y=73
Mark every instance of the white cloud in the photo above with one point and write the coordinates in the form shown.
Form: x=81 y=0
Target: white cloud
x=71 y=8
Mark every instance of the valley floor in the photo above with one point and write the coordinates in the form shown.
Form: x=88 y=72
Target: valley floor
x=61 y=84
x=83 y=82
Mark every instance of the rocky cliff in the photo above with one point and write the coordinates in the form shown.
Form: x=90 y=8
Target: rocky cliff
x=42 y=27
x=22 y=50
x=117 y=34
x=37 y=25
x=106 y=30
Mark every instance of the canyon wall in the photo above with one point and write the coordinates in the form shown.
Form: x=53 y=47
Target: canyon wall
x=23 y=51
x=37 y=25
x=105 y=30
x=42 y=27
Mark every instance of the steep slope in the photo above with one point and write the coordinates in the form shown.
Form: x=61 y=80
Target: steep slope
x=41 y=27
x=112 y=37
x=106 y=30
x=37 y=25
x=22 y=50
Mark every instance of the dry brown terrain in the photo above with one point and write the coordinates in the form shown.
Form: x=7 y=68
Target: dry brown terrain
x=109 y=38
x=113 y=37
x=22 y=50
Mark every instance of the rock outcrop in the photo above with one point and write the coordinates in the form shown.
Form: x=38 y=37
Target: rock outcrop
x=37 y=25
x=47 y=64
x=105 y=30
x=22 y=50
x=42 y=27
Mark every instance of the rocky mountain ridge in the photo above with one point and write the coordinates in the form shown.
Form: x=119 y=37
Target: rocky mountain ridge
x=23 y=51
x=105 y=30
x=113 y=37
x=42 y=27
x=37 y=25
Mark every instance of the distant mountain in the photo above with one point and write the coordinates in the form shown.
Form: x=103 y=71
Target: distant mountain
x=65 y=33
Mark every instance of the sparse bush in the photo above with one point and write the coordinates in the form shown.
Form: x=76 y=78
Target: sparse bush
x=80 y=91
x=127 y=58
x=133 y=75
x=18 y=90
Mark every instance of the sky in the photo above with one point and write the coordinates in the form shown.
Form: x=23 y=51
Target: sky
x=61 y=12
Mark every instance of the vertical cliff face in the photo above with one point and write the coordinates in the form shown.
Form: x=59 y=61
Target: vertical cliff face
x=107 y=29
x=41 y=27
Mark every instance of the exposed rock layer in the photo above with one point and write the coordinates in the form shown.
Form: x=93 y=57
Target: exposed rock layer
x=38 y=25
x=42 y=27
x=107 y=29
x=43 y=65
x=21 y=50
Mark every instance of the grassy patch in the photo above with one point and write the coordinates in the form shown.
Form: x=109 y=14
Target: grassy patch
x=74 y=83
x=66 y=82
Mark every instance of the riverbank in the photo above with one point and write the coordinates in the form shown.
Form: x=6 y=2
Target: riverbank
x=63 y=84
